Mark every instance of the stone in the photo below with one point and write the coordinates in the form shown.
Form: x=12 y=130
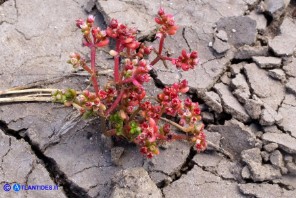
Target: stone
x=290 y=68
x=276 y=158
x=214 y=138
x=207 y=117
x=277 y=74
x=285 y=141
x=284 y=44
x=265 y=156
x=261 y=190
x=176 y=154
x=251 y=156
x=291 y=85
x=260 y=20
x=239 y=82
x=236 y=137
x=267 y=62
x=270 y=116
x=184 y=187
x=134 y=182
x=230 y=104
x=247 y=52
x=245 y=27
x=246 y=173
x=242 y=95
x=222 y=35
x=225 y=78
x=275 y=7
x=160 y=178
x=236 y=68
x=270 y=147
x=212 y=99
x=266 y=172
x=271 y=129
x=207 y=159
x=225 y=169
x=253 y=108
x=270 y=91
x=116 y=153
x=220 y=46
x=90 y=5
x=291 y=168
x=288 y=111
x=288 y=158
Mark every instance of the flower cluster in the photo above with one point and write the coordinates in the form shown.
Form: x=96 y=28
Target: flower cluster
x=187 y=60
x=132 y=115
x=99 y=36
x=167 y=23
x=125 y=35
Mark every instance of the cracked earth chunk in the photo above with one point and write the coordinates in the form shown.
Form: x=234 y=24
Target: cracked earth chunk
x=239 y=82
x=267 y=62
x=251 y=156
x=246 y=173
x=205 y=76
x=207 y=117
x=275 y=7
x=19 y=164
x=270 y=147
x=214 y=138
x=270 y=91
x=222 y=35
x=230 y=103
x=170 y=160
x=159 y=177
x=261 y=190
x=290 y=68
x=270 y=116
x=247 y=52
x=184 y=187
x=44 y=55
x=207 y=160
x=8 y=12
x=236 y=137
x=220 y=46
x=260 y=20
x=265 y=172
x=291 y=85
x=291 y=167
x=285 y=141
x=226 y=169
x=276 y=158
x=134 y=182
x=288 y=111
x=116 y=153
x=245 y=27
x=253 y=108
x=212 y=100
x=81 y=155
x=236 y=68
x=277 y=74
x=284 y=44
x=265 y=156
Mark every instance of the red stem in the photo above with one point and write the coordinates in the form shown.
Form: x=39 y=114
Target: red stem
x=155 y=61
x=116 y=102
x=161 y=44
x=116 y=63
x=93 y=68
x=86 y=68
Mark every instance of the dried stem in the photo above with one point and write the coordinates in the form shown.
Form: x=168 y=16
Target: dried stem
x=25 y=99
x=10 y=92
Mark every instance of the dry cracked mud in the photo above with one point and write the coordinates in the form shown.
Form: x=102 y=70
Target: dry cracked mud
x=245 y=83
